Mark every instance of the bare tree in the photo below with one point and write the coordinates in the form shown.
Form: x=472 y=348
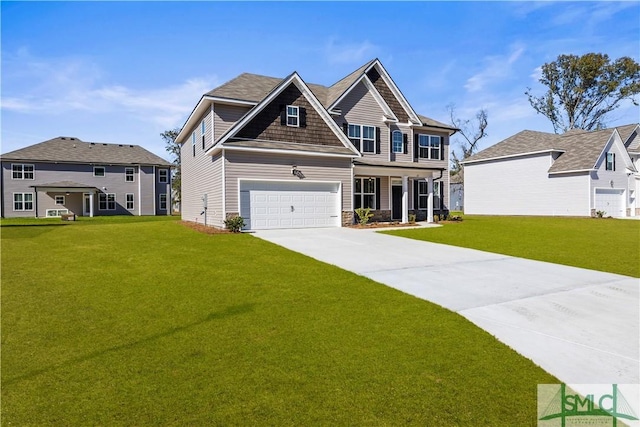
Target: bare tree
x=471 y=131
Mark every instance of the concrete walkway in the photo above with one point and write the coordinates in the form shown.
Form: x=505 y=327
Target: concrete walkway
x=580 y=325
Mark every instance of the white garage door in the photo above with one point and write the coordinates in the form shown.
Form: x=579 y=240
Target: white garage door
x=610 y=201
x=266 y=205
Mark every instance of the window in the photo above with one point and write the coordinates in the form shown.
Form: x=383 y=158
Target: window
x=423 y=195
x=163 y=176
x=365 y=193
x=20 y=171
x=59 y=200
x=203 y=132
x=129 y=200
x=129 y=174
x=163 y=202
x=107 y=201
x=363 y=137
x=611 y=162
x=293 y=116
x=397 y=141
x=56 y=213
x=99 y=171
x=22 y=201
x=429 y=146
x=193 y=143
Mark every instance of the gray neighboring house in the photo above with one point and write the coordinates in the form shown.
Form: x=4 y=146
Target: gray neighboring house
x=456 y=192
x=65 y=175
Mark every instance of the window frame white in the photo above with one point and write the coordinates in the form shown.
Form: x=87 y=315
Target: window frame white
x=57 y=202
x=193 y=143
x=106 y=201
x=22 y=172
x=437 y=202
x=430 y=146
x=129 y=204
x=163 y=176
x=361 y=194
x=129 y=173
x=104 y=171
x=23 y=202
x=162 y=200
x=361 y=138
x=292 y=116
x=394 y=147
x=58 y=213
x=610 y=165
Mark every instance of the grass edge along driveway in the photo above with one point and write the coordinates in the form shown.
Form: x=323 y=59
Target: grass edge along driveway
x=611 y=245
x=132 y=322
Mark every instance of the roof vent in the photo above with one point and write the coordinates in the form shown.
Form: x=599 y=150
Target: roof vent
x=62 y=137
x=92 y=143
x=120 y=145
x=104 y=144
x=72 y=139
x=131 y=146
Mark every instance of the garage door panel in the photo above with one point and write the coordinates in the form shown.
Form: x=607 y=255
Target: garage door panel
x=289 y=205
x=610 y=201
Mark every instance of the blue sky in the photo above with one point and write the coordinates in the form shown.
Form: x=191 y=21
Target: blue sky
x=124 y=72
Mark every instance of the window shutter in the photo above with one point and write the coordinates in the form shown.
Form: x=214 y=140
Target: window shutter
x=614 y=161
x=378 y=193
x=415 y=147
x=378 y=140
x=442 y=148
x=283 y=115
x=416 y=200
x=405 y=142
x=303 y=117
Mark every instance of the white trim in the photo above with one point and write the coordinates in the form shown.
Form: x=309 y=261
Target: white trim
x=13 y=202
x=160 y=181
x=308 y=94
x=100 y=167
x=166 y=202
x=139 y=190
x=106 y=200
x=155 y=211
x=133 y=174
x=133 y=201
x=22 y=171
x=509 y=156
x=297 y=116
x=231 y=101
x=282 y=151
x=58 y=213
x=213 y=124
x=224 y=188
x=401 y=142
x=429 y=147
x=353 y=178
x=572 y=171
x=55 y=200
x=394 y=90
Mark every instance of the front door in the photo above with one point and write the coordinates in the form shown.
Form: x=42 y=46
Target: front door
x=396 y=202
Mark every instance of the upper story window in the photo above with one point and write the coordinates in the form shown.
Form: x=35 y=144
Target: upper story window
x=129 y=174
x=203 y=132
x=397 y=141
x=429 y=147
x=193 y=144
x=99 y=171
x=363 y=137
x=22 y=171
x=293 y=116
x=163 y=176
x=162 y=198
x=611 y=162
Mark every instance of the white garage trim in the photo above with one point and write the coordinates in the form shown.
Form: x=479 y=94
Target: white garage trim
x=266 y=204
x=611 y=201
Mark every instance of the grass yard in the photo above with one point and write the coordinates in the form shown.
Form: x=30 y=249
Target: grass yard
x=143 y=321
x=611 y=245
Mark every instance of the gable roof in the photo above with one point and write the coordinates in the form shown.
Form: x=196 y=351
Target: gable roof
x=73 y=150
x=579 y=150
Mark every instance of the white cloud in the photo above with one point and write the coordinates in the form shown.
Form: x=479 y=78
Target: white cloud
x=497 y=67
x=349 y=53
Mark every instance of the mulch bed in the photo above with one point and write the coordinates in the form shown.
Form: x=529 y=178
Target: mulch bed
x=383 y=225
x=203 y=228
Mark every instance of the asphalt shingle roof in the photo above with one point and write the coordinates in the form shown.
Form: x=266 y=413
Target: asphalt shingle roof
x=579 y=149
x=74 y=150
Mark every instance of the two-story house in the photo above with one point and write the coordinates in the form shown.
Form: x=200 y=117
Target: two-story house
x=282 y=153
x=66 y=175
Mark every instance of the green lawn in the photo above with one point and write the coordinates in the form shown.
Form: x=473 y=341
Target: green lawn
x=147 y=322
x=611 y=245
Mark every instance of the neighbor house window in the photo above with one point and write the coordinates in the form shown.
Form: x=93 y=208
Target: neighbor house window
x=193 y=144
x=22 y=201
x=20 y=171
x=363 y=137
x=59 y=200
x=129 y=200
x=611 y=162
x=107 y=201
x=423 y=195
x=293 y=116
x=365 y=193
x=129 y=174
x=163 y=176
x=163 y=202
x=397 y=141
x=429 y=146
x=99 y=171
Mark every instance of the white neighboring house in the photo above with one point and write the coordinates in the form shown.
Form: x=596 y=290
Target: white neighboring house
x=577 y=173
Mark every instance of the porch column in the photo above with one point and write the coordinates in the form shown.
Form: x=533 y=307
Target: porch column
x=405 y=199
x=430 y=200
x=91 y=204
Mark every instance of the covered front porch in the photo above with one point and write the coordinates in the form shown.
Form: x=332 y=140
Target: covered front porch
x=65 y=197
x=394 y=191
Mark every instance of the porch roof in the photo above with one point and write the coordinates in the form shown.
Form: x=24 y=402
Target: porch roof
x=66 y=186
x=380 y=167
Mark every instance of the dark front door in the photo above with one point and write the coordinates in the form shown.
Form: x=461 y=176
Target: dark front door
x=396 y=202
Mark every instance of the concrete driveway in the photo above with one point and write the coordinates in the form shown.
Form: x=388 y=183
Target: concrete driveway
x=580 y=325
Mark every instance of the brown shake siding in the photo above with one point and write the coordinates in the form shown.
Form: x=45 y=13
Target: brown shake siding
x=266 y=124
x=265 y=166
x=387 y=95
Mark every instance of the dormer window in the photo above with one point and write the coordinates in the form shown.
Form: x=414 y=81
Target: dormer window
x=293 y=116
x=398 y=146
x=611 y=162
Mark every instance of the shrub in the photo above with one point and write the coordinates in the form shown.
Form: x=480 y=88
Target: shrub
x=455 y=218
x=412 y=218
x=600 y=214
x=364 y=215
x=234 y=224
